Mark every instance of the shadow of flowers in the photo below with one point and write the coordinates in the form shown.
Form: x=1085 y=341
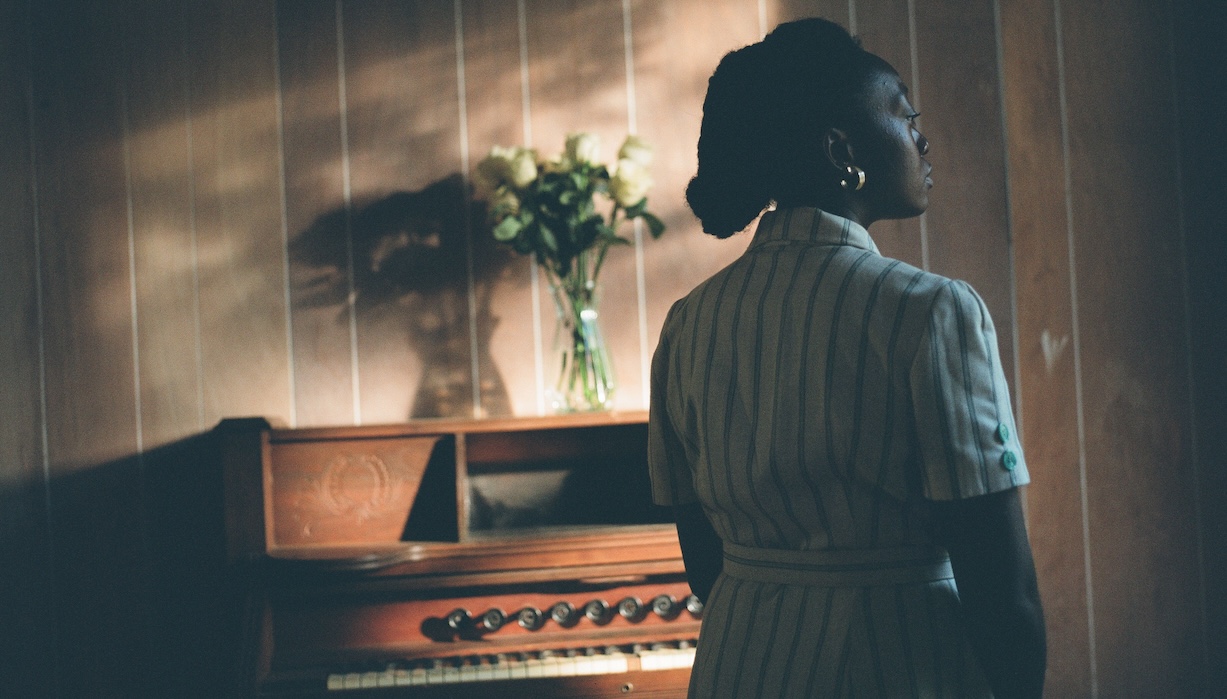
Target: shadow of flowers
x=412 y=254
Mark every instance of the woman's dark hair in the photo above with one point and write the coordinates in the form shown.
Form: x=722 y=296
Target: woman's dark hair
x=767 y=108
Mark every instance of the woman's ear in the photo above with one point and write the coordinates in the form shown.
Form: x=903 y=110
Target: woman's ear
x=837 y=148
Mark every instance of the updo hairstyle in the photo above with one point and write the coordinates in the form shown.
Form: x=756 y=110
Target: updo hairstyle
x=767 y=109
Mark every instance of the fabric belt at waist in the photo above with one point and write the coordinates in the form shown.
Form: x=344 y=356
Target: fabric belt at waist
x=843 y=568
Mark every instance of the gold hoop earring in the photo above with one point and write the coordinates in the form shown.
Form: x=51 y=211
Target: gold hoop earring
x=854 y=179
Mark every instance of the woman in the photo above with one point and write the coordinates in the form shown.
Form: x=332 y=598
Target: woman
x=832 y=426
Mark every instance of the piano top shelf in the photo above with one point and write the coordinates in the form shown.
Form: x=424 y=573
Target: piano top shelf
x=428 y=426
x=442 y=497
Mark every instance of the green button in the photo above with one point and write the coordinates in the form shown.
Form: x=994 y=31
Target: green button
x=1009 y=460
x=1003 y=432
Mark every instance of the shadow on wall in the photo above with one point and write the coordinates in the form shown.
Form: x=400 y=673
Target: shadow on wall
x=145 y=605
x=411 y=256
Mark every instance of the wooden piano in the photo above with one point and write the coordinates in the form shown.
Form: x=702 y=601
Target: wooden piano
x=456 y=558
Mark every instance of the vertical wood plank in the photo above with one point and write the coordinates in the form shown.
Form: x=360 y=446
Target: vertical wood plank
x=236 y=159
x=403 y=124
x=1129 y=272
x=27 y=645
x=1047 y=394
x=1201 y=59
x=315 y=212
x=580 y=85
x=968 y=235
x=159 y=152
x=98 y=538
x=678 y=45
x=503 y=287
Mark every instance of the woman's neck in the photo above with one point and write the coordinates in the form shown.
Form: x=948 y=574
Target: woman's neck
x=839 y=205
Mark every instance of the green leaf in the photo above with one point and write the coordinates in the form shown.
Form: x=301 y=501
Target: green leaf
x=548 y=239
x=655 y=225
x=637 y=210
x=507 y=229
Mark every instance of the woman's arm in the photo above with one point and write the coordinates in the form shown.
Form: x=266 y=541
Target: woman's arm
x=702 y=550
x=987 y=540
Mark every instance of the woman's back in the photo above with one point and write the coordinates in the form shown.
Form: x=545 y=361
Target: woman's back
x=793 y=369
x=790 y=378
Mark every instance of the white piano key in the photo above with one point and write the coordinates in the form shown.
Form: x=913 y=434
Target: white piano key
x=519 y=670
x=370 y=680
x=353 y=680
x=387 y=678
x=485 y=673
x=534 y=668
x=451 y=675
x=618 y=663
x=502 y=671
x=402 y=677
x=336 y=682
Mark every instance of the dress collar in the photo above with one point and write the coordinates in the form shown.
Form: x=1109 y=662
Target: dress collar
x=809 y=225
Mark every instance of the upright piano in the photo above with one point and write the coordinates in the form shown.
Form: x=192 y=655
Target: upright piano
x=456 y=558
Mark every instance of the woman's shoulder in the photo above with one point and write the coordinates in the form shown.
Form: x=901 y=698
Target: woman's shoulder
x=896 y=277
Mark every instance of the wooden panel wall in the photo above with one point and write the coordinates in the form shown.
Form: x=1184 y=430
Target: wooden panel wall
x=27 y=646
x=1100 y=266
x=1201 y=55
x=233 y=208
x=1135 y=408
x=1048 y=400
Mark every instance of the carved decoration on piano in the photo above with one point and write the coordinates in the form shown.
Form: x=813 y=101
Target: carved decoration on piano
x=356 y=484
x=325 y=497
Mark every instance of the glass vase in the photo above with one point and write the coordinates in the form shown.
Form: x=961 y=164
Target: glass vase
x=585 y=374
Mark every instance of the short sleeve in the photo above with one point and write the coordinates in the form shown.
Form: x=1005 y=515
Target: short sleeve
x=668 y=464
x=966 y=434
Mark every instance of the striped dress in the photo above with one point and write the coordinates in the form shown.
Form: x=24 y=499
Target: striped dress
x=812 y=396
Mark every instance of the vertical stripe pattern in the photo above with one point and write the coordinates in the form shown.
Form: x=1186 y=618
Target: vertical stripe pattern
x=814 y=395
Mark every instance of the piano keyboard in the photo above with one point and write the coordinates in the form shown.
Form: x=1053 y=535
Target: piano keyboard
x=514 y=666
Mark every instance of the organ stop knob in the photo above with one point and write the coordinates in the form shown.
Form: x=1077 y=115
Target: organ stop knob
x=563 y=613
x=530 y=618
x=630 y=608
x=492 y=620
x=665 y=606
x=458 y=619
x=597 y=611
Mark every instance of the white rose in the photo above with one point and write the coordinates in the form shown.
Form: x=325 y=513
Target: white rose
x=636 y=149
x=509 y=202
x=630 y=183
x=584 y=148
x=522 y=168
x=492 y=171
x=558 y=164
